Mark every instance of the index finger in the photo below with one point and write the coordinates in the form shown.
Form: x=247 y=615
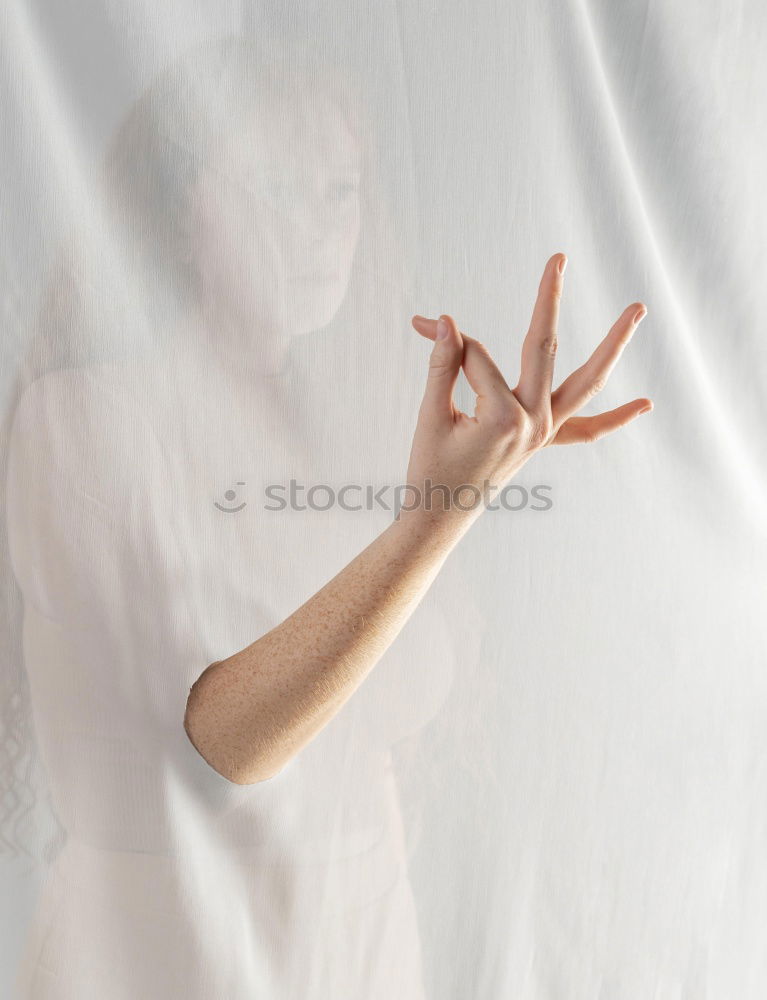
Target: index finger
x=482 y=373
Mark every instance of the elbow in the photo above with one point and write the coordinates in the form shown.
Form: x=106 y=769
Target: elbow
x=223 y=761
x=255 y=779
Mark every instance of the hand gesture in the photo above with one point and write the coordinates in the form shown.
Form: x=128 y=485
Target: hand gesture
x=509 y=425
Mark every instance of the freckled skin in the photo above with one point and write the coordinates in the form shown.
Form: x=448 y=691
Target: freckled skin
x=250 y=714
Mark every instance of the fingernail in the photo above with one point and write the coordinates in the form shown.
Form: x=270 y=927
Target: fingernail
x=562 y=265
x=646 y=409
x=640 y=314
x=442 y=329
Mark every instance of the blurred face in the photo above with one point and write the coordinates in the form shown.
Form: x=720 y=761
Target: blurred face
x=276 y=219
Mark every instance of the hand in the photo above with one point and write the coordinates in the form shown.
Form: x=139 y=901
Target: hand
x=509 y=425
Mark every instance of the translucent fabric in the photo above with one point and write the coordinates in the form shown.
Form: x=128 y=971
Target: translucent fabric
x=218 y=222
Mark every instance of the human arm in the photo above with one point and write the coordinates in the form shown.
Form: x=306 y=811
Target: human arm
x=250 y=714
x=111 y=636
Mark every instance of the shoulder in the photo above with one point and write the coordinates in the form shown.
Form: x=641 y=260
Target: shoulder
x=55 y=385
x=78 y=386
x=73 y=403
x=75 y=431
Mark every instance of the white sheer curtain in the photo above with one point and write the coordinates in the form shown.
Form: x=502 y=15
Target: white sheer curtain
x=217 y=223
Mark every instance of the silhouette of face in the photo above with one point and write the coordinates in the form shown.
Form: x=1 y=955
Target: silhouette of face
x=276 y=219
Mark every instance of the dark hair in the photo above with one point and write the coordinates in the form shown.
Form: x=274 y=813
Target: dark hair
x=154 y=157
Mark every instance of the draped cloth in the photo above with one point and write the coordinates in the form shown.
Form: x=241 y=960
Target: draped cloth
x=218 y=221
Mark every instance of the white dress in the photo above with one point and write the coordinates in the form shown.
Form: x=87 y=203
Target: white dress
x=136 y=572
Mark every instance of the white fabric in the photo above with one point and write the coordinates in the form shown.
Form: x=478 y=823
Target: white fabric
x=552 y=784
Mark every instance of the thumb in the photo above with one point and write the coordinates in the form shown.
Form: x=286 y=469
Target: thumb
x=444 y=365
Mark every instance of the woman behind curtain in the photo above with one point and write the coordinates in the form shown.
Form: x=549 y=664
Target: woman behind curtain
x=246 y=265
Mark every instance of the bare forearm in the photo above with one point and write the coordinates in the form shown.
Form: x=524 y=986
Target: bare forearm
x=250 y=714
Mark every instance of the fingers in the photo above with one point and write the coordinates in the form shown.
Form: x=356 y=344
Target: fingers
x=482 y=373
x=444 y=365
x=540 y=345
x=578 y=388
x=580 y=430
